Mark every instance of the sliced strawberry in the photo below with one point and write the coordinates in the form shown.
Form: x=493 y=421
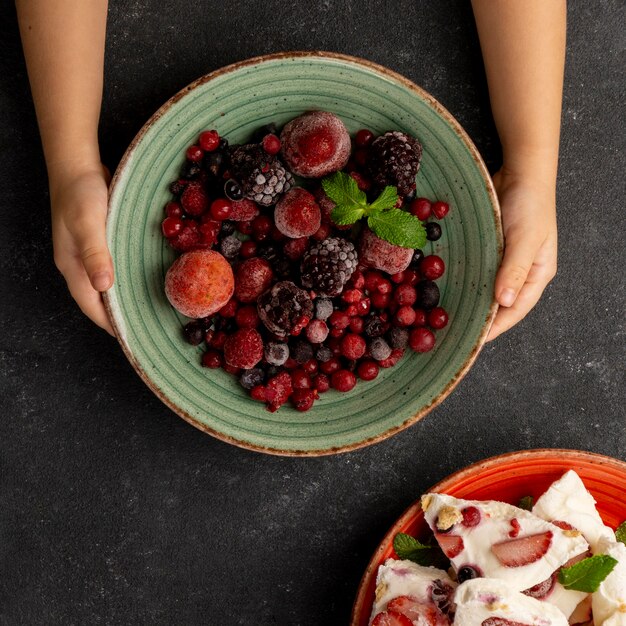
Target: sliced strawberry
x=417 y=612
x=522 y=551
x=452 y=545
x=582 y=613
x=391 y=618
x=500 y=621
x=577 y=558
x=541 y=590
x=563 y=525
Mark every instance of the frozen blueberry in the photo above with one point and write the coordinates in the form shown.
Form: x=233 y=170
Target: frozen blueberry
x=379 y=349
x=418 y=255
x=428 y=294
x=398 y=338
x=433 y=231
x=323 y=308
x=230 y=247
x=302 y=351
x=228 y=228
x=276 y=353
x=194 y=332
x=323 y=354
x=252 y=378
x=374 y=326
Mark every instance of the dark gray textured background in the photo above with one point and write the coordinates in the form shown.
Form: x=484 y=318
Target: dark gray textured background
x=115 y=511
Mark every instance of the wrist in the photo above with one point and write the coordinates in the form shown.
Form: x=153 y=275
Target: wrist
x=64 y=170
x=532 y=163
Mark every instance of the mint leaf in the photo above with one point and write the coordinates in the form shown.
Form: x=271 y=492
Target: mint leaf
x=398 y=227
x=344 y=214
x=387 y=199
x=526 y=503
x=586 y=575
x=342 y=189
x=620 y=532
x=409 y=548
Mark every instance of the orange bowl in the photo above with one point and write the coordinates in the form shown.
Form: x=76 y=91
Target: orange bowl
x=508 y=478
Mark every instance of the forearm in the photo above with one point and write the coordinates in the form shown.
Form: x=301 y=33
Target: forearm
x=523 y=45
x=63 y=44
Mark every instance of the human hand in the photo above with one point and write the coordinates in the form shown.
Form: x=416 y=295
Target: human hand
x=529 y=264
x=79 y=208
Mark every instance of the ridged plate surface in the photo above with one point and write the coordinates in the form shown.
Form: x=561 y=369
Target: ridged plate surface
x=235 y=101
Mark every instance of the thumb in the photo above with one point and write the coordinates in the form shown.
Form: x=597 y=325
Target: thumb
x=90 y=237
x=519 y=256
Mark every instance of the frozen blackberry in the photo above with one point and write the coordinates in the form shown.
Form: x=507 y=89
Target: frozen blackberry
x=379 y=349
x=276 y=353
x=323 y=308
x=302 y=351
x=374 y=326
x=285 y=308
x=263 y=178
x=394 y=159
x=230 y=246
x=328 y=265
x=398 y=338
x=252 y=378
x=323 y=354
x=427 y=294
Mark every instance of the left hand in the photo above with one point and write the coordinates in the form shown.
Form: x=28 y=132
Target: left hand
x=530 y=255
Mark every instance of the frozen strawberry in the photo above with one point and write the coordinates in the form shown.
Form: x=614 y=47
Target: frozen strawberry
x=253 y=277
x=194 y=199
x=297 y=214
x=452 y=545
x=244 y=348
x=391 y=618
x=522 y=551
x=417 y=611
x=315 y=144
x=243 y=210
x=199 y=283
x=278 y=390
x=543 y=589
x=382 y=255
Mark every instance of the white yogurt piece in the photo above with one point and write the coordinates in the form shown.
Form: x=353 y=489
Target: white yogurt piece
x=479 y=599
x=609 y=602
x=567 y=500
x=495 y=527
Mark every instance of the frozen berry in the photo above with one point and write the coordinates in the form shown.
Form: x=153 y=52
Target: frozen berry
x=353 y=346
x=194 y=153
x=433 y=231
x=380 y=300
x=323 y=308
x=171 y=226
x=248 y=249
x=421 y=208
x=367 y=369
x=398 y=337
x=247 y=316
x=271 y=144
x=468 y=572
x=323 y=354
x=285 y=308
x=252 y=378
x=382 y=255
x=199 y=283
x=363 y=138
x=440 y=209
x=418 y=255
x=244 y=348
x=194 y=333
x=194 y=199
x=421 y=340
x=212 y=359
x=295 y=249
x=427 y=294
x=339 y=319
x=317 y=331
x=404 y=317
x=297 y=214
x=315 y=144
x=261 y=227
x=221 y=209
x=392 y=359
x=405 y=295
x=209 y=140
x=332 y=365
x=278 y=390
x=379 y=349
x=356 y=325
x=302 y=351
x=432 y=267
x=229 y=309
x=322 y=383
x=233 y=190
x=437 y=318
x=276 y=353
x=259 y=393
x=343 y=380
x=173 y=209
x=471 y=516
x=253 y=277
x=421 y=318
x=363 y=306
x=374 y=326
x=243 y=210
x=303 y=399
x=230 y=246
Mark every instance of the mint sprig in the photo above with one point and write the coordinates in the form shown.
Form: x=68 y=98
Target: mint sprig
x=387 y=222
x=526 y=503
x=586 y=575
x=409 y=548
x=620 y=532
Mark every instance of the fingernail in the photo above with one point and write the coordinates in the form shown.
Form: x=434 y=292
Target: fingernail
x=101 y=281
x=507 y=297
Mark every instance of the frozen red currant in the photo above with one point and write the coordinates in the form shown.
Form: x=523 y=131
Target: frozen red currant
x=440 y=209
x=171 y=226
x=437 y=318
x=367 y=370
x=421 y=340
x=363 y=138
x=221 y=209
x=209 y=140
x=432 y=267
x=353 y=346
x=421 y=208
x=343 y=380
x=194 y=153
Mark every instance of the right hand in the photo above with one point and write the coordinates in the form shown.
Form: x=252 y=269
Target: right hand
x=79 y=208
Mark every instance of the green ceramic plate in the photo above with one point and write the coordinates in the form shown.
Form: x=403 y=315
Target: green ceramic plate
x=235 y=101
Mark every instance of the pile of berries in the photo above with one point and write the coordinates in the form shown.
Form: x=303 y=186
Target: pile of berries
x=301 y=305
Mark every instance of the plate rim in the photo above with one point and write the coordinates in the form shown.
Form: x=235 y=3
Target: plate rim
x=482 y=465
x=495 y=206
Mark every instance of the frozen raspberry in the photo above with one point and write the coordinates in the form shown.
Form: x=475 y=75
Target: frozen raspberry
x=244 y=348
x=259 y=393
x=195 y=200
x=243 y=210
x=199 y=283
x=380 y=349
x=278 y=390
x=317 y=331
x=382 y=255
x=392 y=359
x=251 y=378
x=230 y=246
x=188 y=237
x=276 y=353
x=398 y=337
x=315 y=144
x=323 y=308
x=284 y=308
x=297 y=214
x=253 y=277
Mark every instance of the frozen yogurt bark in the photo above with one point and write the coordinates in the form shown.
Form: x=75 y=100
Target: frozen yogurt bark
x=567 y=500
x=425 y=589
x=497 y=540
x=491 y=602
x=609 y=601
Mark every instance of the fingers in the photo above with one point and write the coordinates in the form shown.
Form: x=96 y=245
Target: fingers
x=90 y=236
x=88 y=299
